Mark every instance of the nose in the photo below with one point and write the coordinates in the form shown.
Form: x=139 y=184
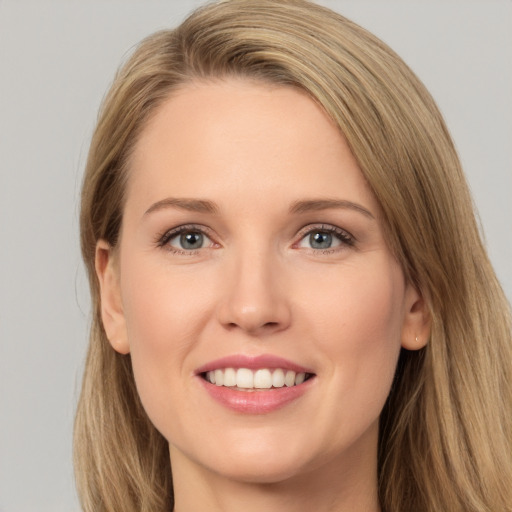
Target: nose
x=255 y=298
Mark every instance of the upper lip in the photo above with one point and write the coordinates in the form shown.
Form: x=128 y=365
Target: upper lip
x=253 y=363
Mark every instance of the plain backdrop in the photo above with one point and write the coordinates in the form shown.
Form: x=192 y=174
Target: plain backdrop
x=56 y=60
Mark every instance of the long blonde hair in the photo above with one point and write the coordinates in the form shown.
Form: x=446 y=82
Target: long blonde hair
x=446 y=430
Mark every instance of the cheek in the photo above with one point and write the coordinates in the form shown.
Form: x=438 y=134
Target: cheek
x=361 y=331
x=364 y=303
x=374 y=319
x=163 y=306
x=164 y=314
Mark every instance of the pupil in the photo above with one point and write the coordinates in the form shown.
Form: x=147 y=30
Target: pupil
x=320 y=240
x=191 y=240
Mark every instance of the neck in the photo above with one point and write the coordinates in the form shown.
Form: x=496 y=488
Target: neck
x=337 y=486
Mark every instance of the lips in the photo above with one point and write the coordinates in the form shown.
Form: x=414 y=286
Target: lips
x=255 y=384
x=253 y=363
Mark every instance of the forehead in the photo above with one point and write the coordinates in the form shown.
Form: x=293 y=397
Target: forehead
x=257 y=136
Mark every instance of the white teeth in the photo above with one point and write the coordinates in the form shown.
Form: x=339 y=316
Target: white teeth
x=263 y=378
x=244 y=378
x=219 y=377
x=229 y=377
x=289 y=379
x=278 y=378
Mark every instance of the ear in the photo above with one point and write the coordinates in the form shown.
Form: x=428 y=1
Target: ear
x=417 y=320
x=111 y=306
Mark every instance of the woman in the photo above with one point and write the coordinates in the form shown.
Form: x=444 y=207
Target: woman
x=292 y=307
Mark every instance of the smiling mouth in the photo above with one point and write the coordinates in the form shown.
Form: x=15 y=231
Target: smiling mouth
x=245 y=379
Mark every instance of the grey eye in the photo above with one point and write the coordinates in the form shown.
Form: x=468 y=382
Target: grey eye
x=191 y=240
x=188 y=240
x=320 y=240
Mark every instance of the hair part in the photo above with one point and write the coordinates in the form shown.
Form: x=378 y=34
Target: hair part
x=445 y=437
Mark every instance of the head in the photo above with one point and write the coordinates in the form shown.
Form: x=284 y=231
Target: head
x=402 y=147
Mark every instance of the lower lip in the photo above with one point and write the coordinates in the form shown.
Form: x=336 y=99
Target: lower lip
x=256 y=402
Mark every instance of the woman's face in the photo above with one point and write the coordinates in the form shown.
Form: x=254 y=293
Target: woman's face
x=252 y=254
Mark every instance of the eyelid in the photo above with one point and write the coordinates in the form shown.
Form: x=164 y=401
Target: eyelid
x=346 y=238
x=162 y=239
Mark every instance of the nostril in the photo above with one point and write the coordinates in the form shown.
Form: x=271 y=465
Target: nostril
x=254 y=327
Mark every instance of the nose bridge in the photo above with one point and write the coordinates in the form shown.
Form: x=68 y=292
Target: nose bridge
x=255 y=301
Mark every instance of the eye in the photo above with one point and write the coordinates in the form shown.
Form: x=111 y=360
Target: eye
x=188 y=241
x=319 y=240
x=325 y=238
x=185 y=240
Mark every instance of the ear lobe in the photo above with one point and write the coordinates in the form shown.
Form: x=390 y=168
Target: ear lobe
x=111 y=306
x=417 y=320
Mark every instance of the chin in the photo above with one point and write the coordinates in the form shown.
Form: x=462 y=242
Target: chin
x=264 y=461
x=261 y=472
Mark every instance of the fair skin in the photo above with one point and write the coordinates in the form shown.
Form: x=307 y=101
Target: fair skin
x=249 y=230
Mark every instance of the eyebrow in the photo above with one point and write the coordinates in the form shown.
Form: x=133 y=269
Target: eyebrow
x=304 y=206
x=314 y=205
x=191 y=205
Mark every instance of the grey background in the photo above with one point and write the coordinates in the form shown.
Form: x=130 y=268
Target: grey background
x=56 y=61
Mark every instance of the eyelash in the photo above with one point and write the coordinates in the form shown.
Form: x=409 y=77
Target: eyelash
x=344 y=237
x=164 y=238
